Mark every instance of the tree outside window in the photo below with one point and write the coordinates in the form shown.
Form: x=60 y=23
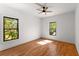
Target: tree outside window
x=52 y=28
x=10 y=28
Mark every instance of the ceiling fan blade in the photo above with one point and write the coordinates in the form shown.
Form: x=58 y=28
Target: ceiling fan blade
x=45 y=5
x=46 y=8
x=49 y=11
x=39 y=9
x=39 y=4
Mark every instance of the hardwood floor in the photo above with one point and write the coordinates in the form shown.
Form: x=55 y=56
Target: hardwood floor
x=42 y=47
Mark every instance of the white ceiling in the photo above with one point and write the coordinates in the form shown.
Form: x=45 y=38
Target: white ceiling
x=57 y=8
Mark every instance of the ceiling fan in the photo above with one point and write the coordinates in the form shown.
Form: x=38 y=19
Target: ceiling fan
x=43 y=9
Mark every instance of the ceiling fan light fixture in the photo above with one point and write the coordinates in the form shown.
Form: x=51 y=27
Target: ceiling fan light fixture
x=43 y=9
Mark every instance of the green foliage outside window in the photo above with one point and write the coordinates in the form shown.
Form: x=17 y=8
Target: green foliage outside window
x=52 y=28
x=10 y=28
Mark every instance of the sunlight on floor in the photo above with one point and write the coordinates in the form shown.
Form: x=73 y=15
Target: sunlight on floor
x=43 y=42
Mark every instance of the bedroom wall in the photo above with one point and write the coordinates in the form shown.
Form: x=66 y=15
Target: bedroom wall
x=77 y=28
x=65 y=27
x=29 y=27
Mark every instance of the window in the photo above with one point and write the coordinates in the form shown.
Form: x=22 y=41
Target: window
x=10 y=28
x=52 y=28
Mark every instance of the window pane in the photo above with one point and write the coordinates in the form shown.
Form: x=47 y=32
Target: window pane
x=52 y=28
x=11 y=31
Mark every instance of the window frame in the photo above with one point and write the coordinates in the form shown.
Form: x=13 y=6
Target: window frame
x=17 y=29
x=50 y=28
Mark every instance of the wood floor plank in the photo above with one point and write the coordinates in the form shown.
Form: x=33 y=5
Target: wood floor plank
x=47 y=47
